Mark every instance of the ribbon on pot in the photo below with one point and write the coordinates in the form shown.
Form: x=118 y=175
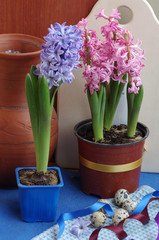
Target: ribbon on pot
x=110 y=168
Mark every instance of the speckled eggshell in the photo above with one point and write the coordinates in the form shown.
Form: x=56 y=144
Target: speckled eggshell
x=119 y=215
x=102 y=209
x=98 y=219
x=129 y=205
x=121 y=196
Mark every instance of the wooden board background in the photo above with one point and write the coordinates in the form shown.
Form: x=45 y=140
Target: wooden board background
x=35 y=16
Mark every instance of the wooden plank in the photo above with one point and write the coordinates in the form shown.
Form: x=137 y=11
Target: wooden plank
x=35 y=16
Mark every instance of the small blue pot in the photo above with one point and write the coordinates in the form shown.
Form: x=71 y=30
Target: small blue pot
x=39 y=203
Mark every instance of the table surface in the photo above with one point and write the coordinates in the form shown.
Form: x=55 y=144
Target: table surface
x=11 y=225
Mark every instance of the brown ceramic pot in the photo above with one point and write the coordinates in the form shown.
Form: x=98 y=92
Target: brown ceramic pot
x=106 y=168
x=16 y=139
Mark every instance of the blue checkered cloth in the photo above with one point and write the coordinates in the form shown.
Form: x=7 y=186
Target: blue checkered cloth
x=134 y=229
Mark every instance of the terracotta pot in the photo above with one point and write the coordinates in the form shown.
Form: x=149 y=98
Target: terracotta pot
x=16 y=139
x=106 y=168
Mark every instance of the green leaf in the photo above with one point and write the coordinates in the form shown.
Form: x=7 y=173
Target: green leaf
x=114 y=90
x=44 y=99
x=130 y=102
x=93 y=102
x=96 y=105
x=111 y=104
x=44 y=124
x=120 y=89
x=33 y=110
x=114 y=85
x=35 y=83
x=102 y=102
x=135 y=109
x=138 y=99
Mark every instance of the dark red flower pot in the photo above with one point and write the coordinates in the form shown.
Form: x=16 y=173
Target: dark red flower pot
x=106 y=168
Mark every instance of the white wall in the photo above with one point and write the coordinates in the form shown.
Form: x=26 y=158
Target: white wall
x=155 y=5
x=126 y=13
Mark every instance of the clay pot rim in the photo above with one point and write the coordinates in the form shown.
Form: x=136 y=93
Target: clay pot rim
x=88 y=122
x=21 y=37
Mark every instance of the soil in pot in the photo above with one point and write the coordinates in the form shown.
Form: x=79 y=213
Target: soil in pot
x=116 y=135
x=32 y=177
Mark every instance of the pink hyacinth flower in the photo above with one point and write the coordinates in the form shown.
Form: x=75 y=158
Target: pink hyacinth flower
x=133 y=88
x=101 y=14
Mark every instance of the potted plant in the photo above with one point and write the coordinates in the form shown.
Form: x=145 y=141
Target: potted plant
x=110 y=156
x=39 y=187
x=17 y=53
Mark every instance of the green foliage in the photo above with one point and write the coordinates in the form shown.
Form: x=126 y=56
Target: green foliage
x=40 y=109
x=97 y=106
x=103 y=105
x=134 y=103
x=114 y=91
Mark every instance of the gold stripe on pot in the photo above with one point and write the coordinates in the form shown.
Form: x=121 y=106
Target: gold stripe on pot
x=110 y=168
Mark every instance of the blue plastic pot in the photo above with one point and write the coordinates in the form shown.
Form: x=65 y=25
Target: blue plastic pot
x=39 y=203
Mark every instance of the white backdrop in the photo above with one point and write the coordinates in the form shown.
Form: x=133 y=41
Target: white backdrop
x=72 y=101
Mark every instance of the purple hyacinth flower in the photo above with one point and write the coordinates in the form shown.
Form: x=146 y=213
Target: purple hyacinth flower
x=60 y=54
x=80 y=227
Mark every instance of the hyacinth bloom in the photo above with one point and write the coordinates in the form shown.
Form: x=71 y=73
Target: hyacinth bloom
x=110 y=63
x=80 y=227
x=60 y=55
